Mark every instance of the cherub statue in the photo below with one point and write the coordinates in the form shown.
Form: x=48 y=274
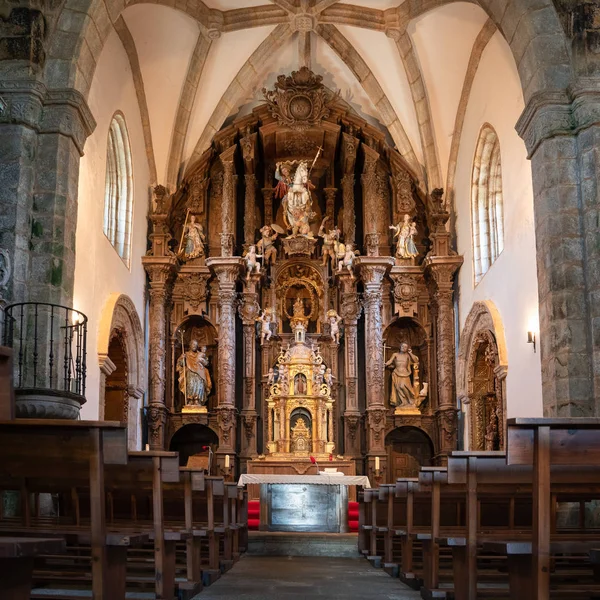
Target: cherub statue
x=328 y=377
x=252 y=264
x=265 y=320
x=330 y=240
x=405 y=246
x=266 y=244
x=334 y=321
x=271 y=377
x=282 y=378
x=348 y=260
x=319 y=375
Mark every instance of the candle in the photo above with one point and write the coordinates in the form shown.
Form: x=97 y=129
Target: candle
x=377 y=463
x=147 y=447
x=227 y=461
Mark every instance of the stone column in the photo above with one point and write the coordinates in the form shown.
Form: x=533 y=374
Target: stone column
x=562 y=134
x=249 y=310
x=268 y=205
x=227 y=270
x=42 y=135
x=370 y=201
x=350 y=312
x=228 y=202
x=248 y=146
x=440 y=273
x=373 y=271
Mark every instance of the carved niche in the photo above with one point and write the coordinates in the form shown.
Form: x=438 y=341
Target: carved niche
x=299 y=100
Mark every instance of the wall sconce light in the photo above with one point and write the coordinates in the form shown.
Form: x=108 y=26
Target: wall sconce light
x=531 y=338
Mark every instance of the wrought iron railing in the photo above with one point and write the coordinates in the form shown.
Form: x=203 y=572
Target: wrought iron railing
x=49 y=346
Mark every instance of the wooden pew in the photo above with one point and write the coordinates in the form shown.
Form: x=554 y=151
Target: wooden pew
x=544 y=443
x=16 y=563
x=39 y=455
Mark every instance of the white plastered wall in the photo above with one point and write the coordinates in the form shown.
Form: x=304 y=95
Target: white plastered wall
x=99 y=271
x=511 y=282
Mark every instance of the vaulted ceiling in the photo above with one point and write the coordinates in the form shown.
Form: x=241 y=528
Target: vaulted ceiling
x=406 y=71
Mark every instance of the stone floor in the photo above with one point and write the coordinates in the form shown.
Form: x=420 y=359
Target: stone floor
x=300 y=578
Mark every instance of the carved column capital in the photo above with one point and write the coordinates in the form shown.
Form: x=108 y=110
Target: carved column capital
x=157 y=422
x=226 y=420
x=447 y=421
x=376 y=417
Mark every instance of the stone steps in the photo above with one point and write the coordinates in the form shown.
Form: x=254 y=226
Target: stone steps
x=336 y=545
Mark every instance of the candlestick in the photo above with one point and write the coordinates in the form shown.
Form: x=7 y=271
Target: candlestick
x=377 y=463
x=147 y=447
x=227 y=461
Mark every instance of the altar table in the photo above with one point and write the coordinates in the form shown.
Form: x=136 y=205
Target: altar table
x=304 y=503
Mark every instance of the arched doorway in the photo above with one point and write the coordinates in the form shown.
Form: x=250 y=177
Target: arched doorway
x=116 y=400
x=193 y=439
x=409 y=449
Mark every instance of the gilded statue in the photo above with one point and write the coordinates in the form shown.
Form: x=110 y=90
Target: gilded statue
x=192 y=240
x=266 y=244
x=194 y=379
x=330 y=241
x=402 y=362
x=294 y=190
x=405 y=232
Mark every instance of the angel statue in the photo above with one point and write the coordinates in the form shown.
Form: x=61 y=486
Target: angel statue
x=192 y=240
x=194 y=379
x=266 y=244
x=252 y=264
x=295 y=193
x=265 y=321
x=334 y=321
x=405 y=246
x=347 y=260
x=330 y=241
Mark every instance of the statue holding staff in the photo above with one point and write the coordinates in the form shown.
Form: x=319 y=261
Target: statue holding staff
x=194 y=379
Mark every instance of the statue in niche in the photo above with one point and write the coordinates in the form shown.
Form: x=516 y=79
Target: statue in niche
x=347 y=260
x=194 y=379
x=252 y=264
x=265 y=320
x=266 y=244
x=300 y=385
x=405 y=232
x=334 y=321
x=192 y=240
x=403 y=363
x=295 y=193
x=330 y=242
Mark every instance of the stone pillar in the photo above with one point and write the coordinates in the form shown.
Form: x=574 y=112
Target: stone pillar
x=440 y=273
x=373 y=271
x=562 y=134
x=350 y=312
x=227 y=270
x=268 y=205
x=371 y=204
x=248 y=146
x=249 y=311
x=42 y=135
x=228 y=202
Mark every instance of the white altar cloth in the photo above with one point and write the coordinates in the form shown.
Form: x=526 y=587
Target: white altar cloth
x=314 y=479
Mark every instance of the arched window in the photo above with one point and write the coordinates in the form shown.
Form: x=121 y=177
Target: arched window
x=487 y=210
x=118 y=195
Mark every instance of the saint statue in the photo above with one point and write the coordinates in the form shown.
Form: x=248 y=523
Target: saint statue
x=405 y=246
x=402 y=363
x=193 y=240
x=194 y=379
x=300 y=385
x=299 y=308
x=295 y=192
x=330 y=241
x=266 y=244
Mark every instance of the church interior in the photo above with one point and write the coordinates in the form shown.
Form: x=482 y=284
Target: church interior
x=314 y=279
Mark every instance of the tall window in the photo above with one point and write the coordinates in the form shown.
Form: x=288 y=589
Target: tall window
x=487 y=207
x=118 y=195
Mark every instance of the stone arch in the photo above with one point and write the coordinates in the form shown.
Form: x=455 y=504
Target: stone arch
x=119 y=318
x=193 y=439
x=483 y=333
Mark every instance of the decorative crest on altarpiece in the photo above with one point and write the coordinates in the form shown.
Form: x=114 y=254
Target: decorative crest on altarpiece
x=299 y=100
